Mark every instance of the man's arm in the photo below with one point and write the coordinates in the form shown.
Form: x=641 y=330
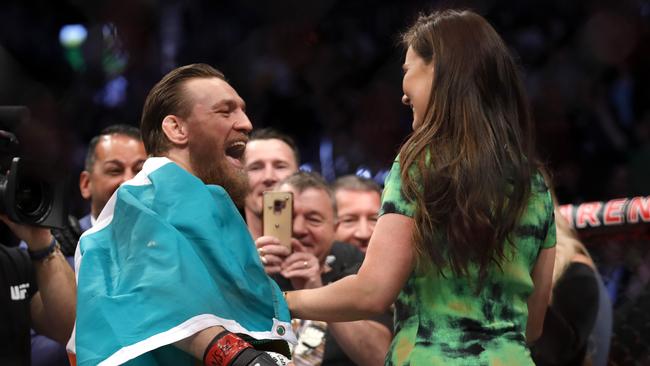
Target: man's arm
x=196 y=344
x=365 y=342
x=215 y=346
x=53 y=307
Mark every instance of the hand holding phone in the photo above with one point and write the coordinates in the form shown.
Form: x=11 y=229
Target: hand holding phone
x=277 y=216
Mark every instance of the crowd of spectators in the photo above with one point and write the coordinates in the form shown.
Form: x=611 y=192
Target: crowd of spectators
x=324 y=72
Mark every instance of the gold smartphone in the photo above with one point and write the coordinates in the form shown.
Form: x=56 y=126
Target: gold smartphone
x=277 y=216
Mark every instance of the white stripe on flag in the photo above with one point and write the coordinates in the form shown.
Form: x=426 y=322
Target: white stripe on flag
x=182 y=331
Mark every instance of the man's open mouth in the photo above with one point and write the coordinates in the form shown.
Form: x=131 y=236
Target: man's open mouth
x=236 y=150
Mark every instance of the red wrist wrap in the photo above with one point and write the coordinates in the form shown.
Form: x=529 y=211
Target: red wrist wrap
x=223 y=349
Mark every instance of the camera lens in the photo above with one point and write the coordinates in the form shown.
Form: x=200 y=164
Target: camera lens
x=31 y=199
x=278 y=205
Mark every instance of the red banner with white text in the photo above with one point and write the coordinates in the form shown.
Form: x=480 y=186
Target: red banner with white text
x=626 y=217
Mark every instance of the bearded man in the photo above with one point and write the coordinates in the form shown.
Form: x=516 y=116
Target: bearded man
x=169 y=273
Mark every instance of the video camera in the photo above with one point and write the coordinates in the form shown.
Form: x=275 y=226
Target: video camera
x=29 y=192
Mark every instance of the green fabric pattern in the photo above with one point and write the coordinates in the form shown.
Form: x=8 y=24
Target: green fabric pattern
x=442 y=320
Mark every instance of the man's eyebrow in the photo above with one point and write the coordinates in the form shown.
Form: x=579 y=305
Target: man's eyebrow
x=254 y=162
x=224 y=102
x=314 y=213
x=231 y=103
x=113 y=161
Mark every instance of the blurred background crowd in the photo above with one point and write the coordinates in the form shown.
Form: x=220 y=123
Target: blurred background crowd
x=328 y=73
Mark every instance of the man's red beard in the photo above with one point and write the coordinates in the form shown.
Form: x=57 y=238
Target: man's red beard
x=212 y=168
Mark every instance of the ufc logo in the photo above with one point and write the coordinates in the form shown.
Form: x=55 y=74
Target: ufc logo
x=19 y=292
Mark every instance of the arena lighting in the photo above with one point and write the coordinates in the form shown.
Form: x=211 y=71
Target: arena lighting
x=72 y=35
x=363 y=172
x=101 y=36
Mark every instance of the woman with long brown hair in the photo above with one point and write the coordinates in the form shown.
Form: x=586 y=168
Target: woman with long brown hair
x=465 y=242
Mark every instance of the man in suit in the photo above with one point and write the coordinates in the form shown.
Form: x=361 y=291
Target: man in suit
x=114 y=156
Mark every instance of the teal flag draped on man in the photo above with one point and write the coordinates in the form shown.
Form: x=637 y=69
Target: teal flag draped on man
x=169 y=256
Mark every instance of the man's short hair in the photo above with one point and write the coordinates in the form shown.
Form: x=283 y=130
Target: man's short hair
x=301 y=181
x=273 y=134
x=118 y=129
x=167 y=97
x=356 y=183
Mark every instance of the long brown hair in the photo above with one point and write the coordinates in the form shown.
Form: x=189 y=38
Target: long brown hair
x=473 y=151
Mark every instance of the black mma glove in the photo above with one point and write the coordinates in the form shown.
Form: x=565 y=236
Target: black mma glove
x=251 y=356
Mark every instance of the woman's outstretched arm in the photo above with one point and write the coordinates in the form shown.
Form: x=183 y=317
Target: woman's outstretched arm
x=389 y=262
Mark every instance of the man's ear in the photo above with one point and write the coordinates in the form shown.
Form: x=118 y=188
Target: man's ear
x=175 y=129
x=85 y=184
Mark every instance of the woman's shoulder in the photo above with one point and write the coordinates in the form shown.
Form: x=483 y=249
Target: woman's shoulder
x=538 y=182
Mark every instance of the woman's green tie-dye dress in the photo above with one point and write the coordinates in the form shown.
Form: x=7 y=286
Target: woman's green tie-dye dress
x=442 y=320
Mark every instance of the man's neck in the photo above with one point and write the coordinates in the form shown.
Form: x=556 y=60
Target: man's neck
x=254 y=223
x=180 y=157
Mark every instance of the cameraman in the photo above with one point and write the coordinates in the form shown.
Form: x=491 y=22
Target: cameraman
x=114 y=156
x=37 y=289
